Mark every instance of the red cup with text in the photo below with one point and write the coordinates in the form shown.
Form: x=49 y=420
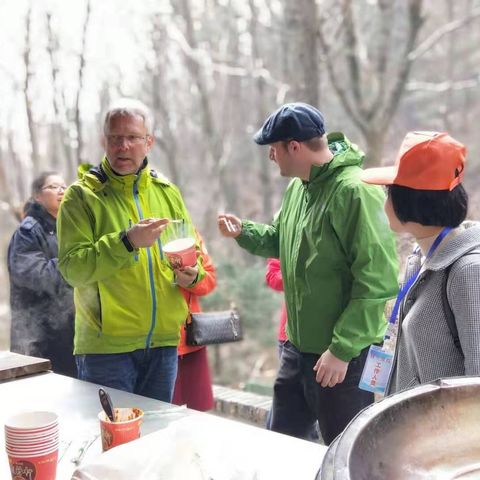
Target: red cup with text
x=41 y=466
x=125 y=428
x=181 y=252
x=31 y=442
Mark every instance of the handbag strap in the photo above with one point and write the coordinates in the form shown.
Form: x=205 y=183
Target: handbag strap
x=189 y=313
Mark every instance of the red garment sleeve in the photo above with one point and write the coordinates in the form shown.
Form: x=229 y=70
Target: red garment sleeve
x=273 y=275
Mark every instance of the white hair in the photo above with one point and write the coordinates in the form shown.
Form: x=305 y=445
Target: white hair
x=128 y=107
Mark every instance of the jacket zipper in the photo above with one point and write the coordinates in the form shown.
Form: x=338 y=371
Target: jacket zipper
x=150 y=270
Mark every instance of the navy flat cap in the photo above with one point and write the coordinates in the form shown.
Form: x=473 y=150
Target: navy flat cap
x=292 y=121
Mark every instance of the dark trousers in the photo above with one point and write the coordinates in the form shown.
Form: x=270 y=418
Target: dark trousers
x=150 y=373
x=298 y=400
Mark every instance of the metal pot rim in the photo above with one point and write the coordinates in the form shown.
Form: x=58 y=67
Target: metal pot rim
x=363 y=418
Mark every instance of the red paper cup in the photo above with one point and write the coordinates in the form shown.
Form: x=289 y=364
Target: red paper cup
x=34 y=467
x=37 y=444
x=35 y=422
x=32 y=449
x=181 y=252
x=19 y=439
x=125 y=429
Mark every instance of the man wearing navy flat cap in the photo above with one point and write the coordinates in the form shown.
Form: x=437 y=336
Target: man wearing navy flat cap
x=339 y=268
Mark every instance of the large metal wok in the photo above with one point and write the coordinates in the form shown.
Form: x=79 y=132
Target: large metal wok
x=428 y=432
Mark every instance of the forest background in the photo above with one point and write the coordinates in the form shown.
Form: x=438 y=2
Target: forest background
x=212 y=70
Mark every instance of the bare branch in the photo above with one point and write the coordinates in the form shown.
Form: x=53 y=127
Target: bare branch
x=386 y=22
x=415 y=86
x=335 y=81
x=81 y=75
x=27 y=86
x=351 y=52
x=205 y=60
x=433 y=39
x=160 y=89
x=59 y=107
x=415 y=22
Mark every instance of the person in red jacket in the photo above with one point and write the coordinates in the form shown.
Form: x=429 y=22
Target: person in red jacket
x=273 y=277
x=193 y=386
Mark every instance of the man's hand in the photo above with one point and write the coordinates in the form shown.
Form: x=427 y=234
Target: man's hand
x=330 y=369
x=229 y=225
x=146 y=231
x=185 y=276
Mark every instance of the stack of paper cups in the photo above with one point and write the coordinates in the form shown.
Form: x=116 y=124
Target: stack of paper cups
x=31 y=441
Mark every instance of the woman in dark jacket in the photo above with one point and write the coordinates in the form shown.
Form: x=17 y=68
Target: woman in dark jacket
x=41 y=301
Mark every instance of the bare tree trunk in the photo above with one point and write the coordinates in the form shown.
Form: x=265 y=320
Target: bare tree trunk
x=309 y=54
x=160 y=92
x=19 y=180
x=81 y=76
x=260 y=94
x=60 y=128
x=367 y=94
x=375 y=140
x=5 y=193
x=450 y=72
x=209 y=129
x=300 y=36
x=466 y=117
x=27 y=92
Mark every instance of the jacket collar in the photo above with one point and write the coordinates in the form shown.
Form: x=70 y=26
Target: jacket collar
x=97 y=177
x=125 y=182
x=35 y=210
x=466 y=240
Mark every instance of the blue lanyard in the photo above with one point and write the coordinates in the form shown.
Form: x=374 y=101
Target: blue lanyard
x=411 y=280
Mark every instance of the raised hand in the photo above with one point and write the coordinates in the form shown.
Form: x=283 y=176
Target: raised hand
x=146 y=231
x=229 y=225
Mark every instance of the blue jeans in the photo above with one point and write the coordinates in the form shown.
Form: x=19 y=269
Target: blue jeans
x=149 y=372
x=299 y=401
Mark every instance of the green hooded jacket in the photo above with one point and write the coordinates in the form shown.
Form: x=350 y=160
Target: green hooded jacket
x=337 y=254
x=124 y=300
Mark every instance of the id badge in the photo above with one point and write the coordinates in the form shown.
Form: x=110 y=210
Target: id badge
x=376 y=371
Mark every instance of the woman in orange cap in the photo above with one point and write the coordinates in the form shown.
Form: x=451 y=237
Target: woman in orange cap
x=439 y=304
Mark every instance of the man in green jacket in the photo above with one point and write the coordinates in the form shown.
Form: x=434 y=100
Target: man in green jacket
x=339 y=268
x=128 y=304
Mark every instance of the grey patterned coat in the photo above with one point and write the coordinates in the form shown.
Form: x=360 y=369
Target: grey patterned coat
x=425 y=348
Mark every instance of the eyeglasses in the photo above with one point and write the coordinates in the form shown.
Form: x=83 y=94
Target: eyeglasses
x=58 y=188
x=129 y=139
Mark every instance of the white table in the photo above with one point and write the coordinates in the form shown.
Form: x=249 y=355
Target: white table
x=77 y=404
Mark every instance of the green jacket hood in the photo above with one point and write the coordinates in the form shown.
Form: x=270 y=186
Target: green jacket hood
x=345 y=154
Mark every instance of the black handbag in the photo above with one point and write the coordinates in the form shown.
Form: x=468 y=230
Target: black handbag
x=212 y=328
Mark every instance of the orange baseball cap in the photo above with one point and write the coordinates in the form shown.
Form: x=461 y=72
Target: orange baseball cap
x=426 y=161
